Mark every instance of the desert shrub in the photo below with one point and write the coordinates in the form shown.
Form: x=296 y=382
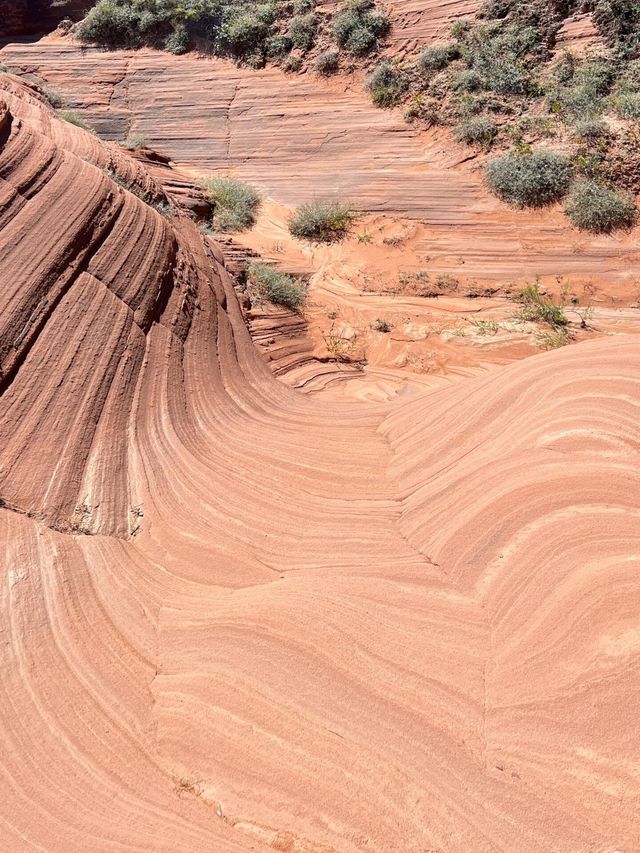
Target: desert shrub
x=578 y=89
x=537 y=307
x=381 y=325
x=4 y=69
x=133 y=142
x=619 y=22
x=303 y=7
x=507 y=78
x=265 y=282
x=357 y=27
x=387 y=84
x=591 y=206
x=529 y=179
x=321 y=221
x=302 y=30
x=277 y=46
x=234 y=203
x=327 y=63
x=52 y=97
x=245 y=31
x=178 y=42
x=590 y=130
x=627 y=105
x=479 y=130
x=292 y=63
x=74 y=118
x=437 y=57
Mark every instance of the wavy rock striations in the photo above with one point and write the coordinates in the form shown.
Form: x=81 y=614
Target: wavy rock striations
x=295 y=626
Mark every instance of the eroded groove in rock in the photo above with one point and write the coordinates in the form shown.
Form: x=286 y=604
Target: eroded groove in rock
x=302 y=625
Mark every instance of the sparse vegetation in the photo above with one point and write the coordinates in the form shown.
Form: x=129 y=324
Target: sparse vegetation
x=133 y=142
x=485 y=327
x=73 y=118
x=479 y=130
x=251 y=32
x=327 y=63
x=234 y=203
x=531 y=178
x=321 y=221
x=265 y=282
x=381 y=325
x=53 y=98
x=537 y=307
x=591 y=206
x=358 y=26
x=437 y=57
x=387 y=83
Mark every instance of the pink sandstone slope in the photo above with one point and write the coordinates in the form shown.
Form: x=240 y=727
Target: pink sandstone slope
x=235 y=618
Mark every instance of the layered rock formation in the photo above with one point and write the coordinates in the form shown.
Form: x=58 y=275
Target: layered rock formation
x=234 y=618
x=286 y=133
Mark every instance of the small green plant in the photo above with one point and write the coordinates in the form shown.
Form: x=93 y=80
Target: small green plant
x=627 y=105
x=531 y=178
x=387 y=84
x=479 y=130
x=381 y=325
x=365 y=237
x=327 y=63
x=302 y=30
x=591 y=206
x=339 y=346
x=358 y=26
x=265 y=282
x=321 y=221
x=486 y=327
x=234 y=203
x=53 y=97
x=553 y=339
x=133 y=142
x=437 y=57
x=74 y=118
x=537 y=307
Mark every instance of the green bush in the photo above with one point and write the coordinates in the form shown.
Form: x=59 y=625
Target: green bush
x=627 y=105
x=133 y=142
x=53 y=98
x=591 y=130
x=234 y=203
x=357 y=27
x=74 y=118
x=437 y=57
x=327 y=63
x=387 y=84
x=529 y=179
x=594 y=207
x=539 y=308
x=479 y=130
x=302 y=30
x=321 y=221
x=264 y=282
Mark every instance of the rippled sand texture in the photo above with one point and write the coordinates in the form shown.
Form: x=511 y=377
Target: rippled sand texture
x=235 y=618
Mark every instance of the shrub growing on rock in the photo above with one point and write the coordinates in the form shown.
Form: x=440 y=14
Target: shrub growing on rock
x=327 y=63
x=265 y=282
x=234 y=203
x=321 y=221
x=479 y=130
x=358 y=26
x=529 y=179
x=437 y=57
x=387 y=84
x=591 y=206
x=302 y=30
